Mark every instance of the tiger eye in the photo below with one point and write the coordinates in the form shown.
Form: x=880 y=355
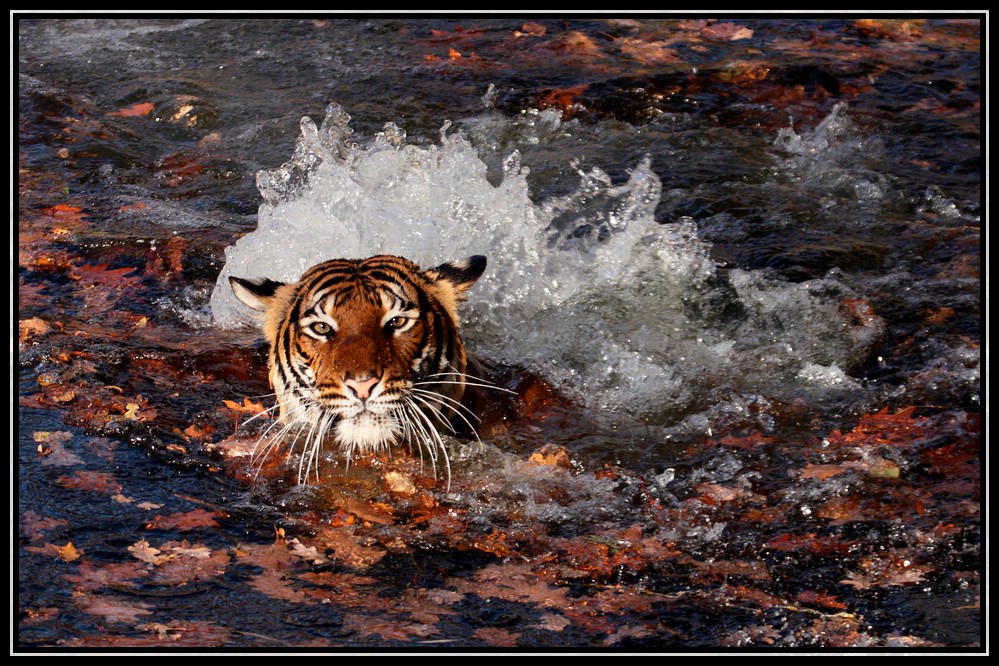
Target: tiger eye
x=321 y=328
x=396 y=322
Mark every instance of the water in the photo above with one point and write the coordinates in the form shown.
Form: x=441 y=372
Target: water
x=565 y=274
x=710 y=254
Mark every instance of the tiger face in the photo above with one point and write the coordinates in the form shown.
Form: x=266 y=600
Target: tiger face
x=366 y=353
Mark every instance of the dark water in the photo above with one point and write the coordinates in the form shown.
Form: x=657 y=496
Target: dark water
x=840 y=154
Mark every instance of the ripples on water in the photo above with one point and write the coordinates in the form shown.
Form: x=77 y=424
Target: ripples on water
x=680 y=253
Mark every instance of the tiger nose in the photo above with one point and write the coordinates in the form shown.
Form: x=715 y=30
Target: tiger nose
x=361 y=387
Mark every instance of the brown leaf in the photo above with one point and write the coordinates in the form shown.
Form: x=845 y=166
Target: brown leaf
x=89 y=577
x=531 y=29
x=35 y=525
x=280 y=567
x=900 y=429
x=750 y=441
x=513 y=582
x=114 y=610
x=198 y=433
x=353 y=550
x=140 y=109
x=810 y=543
x=248 y=407
x=32 y=616
x=189 y=520
x=101 y=482
x=726 y=32
x=563 y=99
x=725 y=569
x=496 y=637
x=940 y=315
x=823 y=599
x=66 y=553
x=556 y=456
x=899 y=30
x=887 y=571
x=141 y=550
x=648 y=52
x=52 y=446
x=825 y=471
x=185 y=564
x=31 y=328
x=387 y=628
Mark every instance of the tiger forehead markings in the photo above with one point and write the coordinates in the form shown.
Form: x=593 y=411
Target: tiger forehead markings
x=366 y=353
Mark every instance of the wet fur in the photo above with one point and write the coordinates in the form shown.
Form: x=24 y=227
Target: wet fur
x=365 y=353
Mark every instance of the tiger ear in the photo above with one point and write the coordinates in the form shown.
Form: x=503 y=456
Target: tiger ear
x=462 y=274
x=258 y=294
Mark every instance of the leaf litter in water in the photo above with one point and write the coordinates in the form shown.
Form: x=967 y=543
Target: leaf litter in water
x=891 y=465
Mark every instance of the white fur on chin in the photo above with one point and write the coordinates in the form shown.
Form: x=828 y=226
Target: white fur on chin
x=367 y=432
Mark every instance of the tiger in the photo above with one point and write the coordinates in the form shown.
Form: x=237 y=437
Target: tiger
x=365 y=353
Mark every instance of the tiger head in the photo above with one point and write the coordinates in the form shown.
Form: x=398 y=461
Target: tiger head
x=366 y=353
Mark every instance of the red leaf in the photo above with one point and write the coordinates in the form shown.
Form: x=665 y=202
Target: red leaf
x=815 y=598
x=726 y=32
x=185 y=521
x=140 y=109
x=810 y=543
x=115 y=610
x=102 y=482
x=90 y=274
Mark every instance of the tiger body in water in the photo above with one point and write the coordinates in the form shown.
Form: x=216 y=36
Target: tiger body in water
x=366 y=354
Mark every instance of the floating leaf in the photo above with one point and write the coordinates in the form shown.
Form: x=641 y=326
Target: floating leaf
x=727 y=32
x=141 y=550
x=115 y=610
x=248 y=407
x=140 y=109
x=101 y=482
x=186 y=521
x=66 y=553
x=31 y=327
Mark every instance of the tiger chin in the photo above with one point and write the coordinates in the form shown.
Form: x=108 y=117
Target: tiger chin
x=366 y=354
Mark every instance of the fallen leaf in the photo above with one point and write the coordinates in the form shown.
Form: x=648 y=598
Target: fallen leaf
x=513 y=582
x=89 y=577
x=497 y=637
x=114 y=610
x=102 y=482
x=35 y=525
x=887 y=571
x=185 y=564
x=531 y=29
x=140 y=109
x=178 y=633
x=185 y=521
x=810 y=543
x=823 y=599
x=727 y=32
x=66 y=553
x=141 y=550
x=564 y=99
x=248 y=407
x=649 y=52
x=555 y=456
x=31 y=327
x=52 y=446
x=32 y=616
x=886 y=29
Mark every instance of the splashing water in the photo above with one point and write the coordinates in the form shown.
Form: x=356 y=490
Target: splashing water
x=618 y=311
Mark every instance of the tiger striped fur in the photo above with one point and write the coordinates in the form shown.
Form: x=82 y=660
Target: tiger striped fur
x=365 y=353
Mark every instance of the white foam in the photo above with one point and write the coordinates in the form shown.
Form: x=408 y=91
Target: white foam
x=619 y=311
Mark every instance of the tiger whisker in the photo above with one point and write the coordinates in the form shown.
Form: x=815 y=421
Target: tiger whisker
x=465 y=377
x=434 y=441
x=419 y=394
x=455 y=405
